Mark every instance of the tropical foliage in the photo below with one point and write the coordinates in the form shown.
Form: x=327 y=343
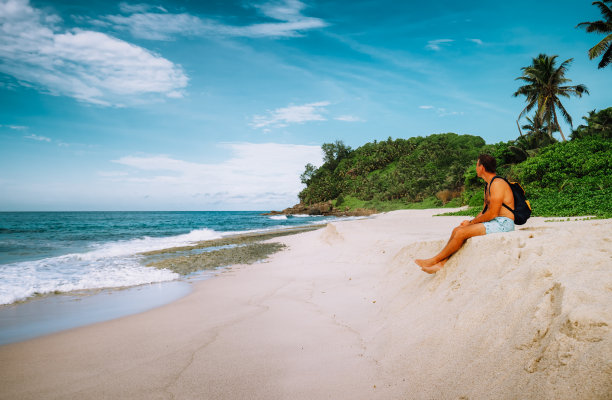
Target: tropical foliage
x=598 y=124
x=571 y=178
x=561 y=178
x=544 y=85
x=602 y=26
x=409 y=170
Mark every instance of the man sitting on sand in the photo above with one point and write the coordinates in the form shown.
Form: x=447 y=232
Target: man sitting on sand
x=493 y=219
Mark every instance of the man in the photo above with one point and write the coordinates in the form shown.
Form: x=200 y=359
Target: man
x=492 y=219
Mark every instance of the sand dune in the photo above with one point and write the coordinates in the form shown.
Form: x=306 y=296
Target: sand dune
x=344 y=313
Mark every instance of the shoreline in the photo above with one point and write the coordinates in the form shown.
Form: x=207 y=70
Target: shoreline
x=347 y=298
x=52 y=313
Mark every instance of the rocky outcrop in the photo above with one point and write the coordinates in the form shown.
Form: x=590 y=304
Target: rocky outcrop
x=323 y=208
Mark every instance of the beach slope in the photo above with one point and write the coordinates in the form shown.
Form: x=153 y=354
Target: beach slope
x=343 y=312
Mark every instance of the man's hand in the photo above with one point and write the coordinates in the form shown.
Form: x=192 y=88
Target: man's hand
x=465 y=223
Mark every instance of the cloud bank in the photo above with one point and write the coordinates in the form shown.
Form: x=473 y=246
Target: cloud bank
x=256 y=176
x=87 y=65
x=156 y=23
x=292 y=114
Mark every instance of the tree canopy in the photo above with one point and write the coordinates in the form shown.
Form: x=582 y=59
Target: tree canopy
x=602 y=26
x=409 y=169
x=544 y=84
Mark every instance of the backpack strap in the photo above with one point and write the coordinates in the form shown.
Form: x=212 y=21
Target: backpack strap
x=489 y=188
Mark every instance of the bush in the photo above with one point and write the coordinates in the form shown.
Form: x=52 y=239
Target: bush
x=570 y=178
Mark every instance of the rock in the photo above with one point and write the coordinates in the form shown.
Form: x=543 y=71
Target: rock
x=324 y=208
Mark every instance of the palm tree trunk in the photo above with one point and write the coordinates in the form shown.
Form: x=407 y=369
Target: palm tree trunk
x=558 y=126
x=549 y=130
x=519 y=128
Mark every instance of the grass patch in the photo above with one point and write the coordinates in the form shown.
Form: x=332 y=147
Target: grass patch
x=469 y=212
x=352 y=203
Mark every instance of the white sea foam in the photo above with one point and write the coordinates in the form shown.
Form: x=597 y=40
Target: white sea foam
x=107 y=265
x=74 y=272
x=133 y=246
x=278 y=217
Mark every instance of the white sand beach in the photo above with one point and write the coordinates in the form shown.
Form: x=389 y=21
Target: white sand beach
x=344 y=313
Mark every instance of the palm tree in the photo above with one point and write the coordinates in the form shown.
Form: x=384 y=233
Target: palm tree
x=605 y=45
x=537 y=135
x=543 y=89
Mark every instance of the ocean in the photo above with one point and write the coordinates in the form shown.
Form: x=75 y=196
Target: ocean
x=59 y=252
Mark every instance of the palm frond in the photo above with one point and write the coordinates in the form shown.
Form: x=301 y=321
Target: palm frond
x=580 y=89
x=606 y=59
x=564 y=65
x=564 y=113
x=596 y=26
x=605 y=10
x=600 y=47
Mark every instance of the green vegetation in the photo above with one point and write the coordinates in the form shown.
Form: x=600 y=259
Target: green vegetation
x=544 y=84
x=602 y=26
x=401 y=170
x=561 y=178
x=352 y=203
x=573 y=178
x=598 y=124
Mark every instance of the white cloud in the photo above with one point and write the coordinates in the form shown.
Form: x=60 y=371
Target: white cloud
x=141 y=22
x=38 y=138
x=256 y=174
x=15 y=127
x=158 y=26
x=133 y=8
x=87 y=65
x=436 y=44
x=477 y=41
x=440 y=111
x=349 y=118
x=443 y=112
x=291 y=115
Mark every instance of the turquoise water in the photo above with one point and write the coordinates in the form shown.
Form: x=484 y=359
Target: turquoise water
x=46 y=252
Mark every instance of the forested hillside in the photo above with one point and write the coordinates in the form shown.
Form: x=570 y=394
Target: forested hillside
x=561 y=178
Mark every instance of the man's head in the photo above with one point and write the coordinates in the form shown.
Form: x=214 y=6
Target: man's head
x=485 y=163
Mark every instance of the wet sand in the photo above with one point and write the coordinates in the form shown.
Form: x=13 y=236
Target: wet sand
x=245 y=248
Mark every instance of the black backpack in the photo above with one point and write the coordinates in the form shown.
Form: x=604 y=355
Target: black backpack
x=522 y=208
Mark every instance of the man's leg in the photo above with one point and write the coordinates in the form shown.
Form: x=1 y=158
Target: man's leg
x=458 y=237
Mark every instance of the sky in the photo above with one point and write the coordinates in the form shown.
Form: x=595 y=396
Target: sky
x=219 y=105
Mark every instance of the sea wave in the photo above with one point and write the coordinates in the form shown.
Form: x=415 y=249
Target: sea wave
x=141 y=245
x=278 y=217
x=64 y=274
x=107 y=265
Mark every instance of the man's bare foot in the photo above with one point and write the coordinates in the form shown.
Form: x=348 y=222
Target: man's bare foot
x=434 y=268
x=430 y=262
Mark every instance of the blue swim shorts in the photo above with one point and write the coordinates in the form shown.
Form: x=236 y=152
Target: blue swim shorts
x=499 y=224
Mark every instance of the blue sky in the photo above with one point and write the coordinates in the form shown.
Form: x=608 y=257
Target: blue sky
x=218 y=105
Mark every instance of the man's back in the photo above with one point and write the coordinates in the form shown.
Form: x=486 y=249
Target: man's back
x=500 y=188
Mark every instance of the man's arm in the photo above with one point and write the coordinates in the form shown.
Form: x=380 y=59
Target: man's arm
x=484 y=203
x=496 y=198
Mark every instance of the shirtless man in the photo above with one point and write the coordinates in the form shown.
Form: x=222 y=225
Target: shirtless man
x=494 y=218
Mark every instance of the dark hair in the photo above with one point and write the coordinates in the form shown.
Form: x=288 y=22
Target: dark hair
x=488 y=162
